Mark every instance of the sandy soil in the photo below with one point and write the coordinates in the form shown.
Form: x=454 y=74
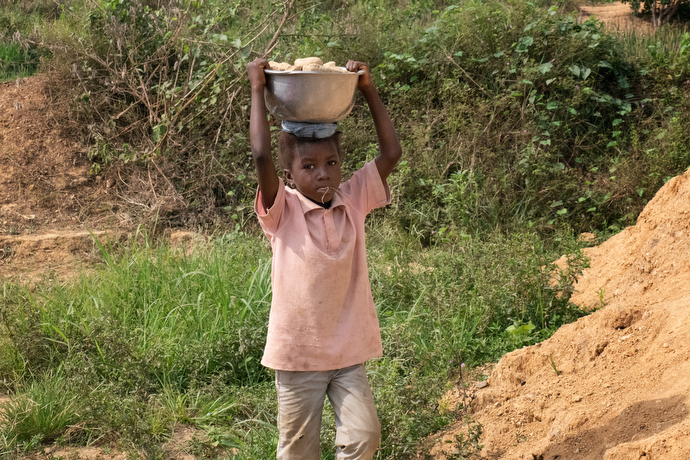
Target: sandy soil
x=624 y=372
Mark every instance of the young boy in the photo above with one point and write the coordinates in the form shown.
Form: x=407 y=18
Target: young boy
x=323 y=325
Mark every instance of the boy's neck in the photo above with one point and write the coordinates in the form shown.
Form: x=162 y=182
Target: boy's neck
x=326 y=205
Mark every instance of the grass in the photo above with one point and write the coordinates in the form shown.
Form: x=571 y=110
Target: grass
x=19 y=25
x=666 y=42
x=45 y=411
x=16 y=62
x=158 y=337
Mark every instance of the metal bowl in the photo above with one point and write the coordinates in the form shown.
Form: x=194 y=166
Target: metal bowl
x=313 y=97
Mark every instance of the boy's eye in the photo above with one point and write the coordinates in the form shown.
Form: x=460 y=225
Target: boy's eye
x=308 y=166
x=332 y=163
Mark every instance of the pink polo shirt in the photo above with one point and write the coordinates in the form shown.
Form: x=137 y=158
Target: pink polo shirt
x=322 y=314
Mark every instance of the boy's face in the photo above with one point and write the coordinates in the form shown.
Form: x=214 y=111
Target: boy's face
x=316 y=170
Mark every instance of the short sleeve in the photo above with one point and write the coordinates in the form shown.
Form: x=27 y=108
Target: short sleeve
x=269 y=219
x=366 y=190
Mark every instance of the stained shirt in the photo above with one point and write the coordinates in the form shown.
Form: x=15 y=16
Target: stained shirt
x=322 y=313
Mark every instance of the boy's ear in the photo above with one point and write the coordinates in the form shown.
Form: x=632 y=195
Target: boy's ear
x=288 y=175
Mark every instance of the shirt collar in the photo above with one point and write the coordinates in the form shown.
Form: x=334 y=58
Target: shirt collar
x=308 y=205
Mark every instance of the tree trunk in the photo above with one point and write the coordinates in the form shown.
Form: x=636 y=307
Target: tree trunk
x=662 y=14
x=669 y=11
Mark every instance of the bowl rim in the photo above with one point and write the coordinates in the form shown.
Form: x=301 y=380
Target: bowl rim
x=310 y=72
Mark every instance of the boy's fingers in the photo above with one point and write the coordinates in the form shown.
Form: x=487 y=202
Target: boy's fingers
x=261 y=63
x=354 y=66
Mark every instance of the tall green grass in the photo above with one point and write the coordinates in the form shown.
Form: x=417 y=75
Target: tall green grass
x=20 y=25
x=158 y=336
x=666 y=42
x=16 y=61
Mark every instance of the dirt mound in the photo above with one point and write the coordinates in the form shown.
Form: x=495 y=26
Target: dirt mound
x=48 y=199
x=615 y=384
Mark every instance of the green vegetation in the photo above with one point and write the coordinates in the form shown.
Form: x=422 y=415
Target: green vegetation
x=19 y=21
x=16 y=62
x=156 y=338
x=521 y=128
x=511 y=114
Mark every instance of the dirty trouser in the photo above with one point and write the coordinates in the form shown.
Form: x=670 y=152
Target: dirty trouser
x=300 y=404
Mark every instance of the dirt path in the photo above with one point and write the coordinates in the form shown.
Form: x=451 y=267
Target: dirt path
x=615 y=15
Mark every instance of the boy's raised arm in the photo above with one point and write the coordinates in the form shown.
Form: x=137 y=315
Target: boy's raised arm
x=260 y=135
x=389 y=145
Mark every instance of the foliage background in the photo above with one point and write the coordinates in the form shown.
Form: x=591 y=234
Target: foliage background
x=510 y=113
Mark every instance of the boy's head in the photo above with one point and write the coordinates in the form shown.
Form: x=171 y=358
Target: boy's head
x=312 y=164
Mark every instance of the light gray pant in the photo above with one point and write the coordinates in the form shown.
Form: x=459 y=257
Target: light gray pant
x=300 y=404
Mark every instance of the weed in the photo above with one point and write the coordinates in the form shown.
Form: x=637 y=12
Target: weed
x=43 y=413
x=602 y=300
x=466 y=446
x=552 y=363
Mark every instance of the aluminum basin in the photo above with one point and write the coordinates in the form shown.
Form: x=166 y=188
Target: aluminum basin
x=313 y=97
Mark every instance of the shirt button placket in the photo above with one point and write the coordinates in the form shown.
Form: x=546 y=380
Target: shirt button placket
x=330 y=230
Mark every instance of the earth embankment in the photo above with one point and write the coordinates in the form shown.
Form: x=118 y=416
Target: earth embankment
x=615 y=385
x=50 y=204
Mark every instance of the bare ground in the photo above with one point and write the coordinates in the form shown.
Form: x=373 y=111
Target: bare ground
x=50 y=206
x=622 y=387
x=616 y=15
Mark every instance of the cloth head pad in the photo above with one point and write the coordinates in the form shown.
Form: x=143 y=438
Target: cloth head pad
x=310 y=130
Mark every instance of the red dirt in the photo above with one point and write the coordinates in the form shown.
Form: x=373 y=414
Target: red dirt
x=624 y=381
x=48 y=199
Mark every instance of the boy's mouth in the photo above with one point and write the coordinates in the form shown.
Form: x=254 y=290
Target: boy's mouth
x=324 y=191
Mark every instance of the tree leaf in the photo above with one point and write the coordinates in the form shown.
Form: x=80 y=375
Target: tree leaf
x=545 y=67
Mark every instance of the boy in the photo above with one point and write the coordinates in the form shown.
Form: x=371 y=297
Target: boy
x=323 y=324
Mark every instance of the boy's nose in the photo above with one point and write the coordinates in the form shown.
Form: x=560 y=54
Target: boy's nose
x=323 y=174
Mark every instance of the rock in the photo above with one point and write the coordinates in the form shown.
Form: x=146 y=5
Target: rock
x=553 y=434
x=482 y=384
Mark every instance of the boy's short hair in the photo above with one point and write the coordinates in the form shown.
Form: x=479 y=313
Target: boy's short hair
x=289 y=143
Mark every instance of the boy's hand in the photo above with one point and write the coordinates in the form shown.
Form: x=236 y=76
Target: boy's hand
x=255 y=70
x=365 y=81
x=389 y=145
